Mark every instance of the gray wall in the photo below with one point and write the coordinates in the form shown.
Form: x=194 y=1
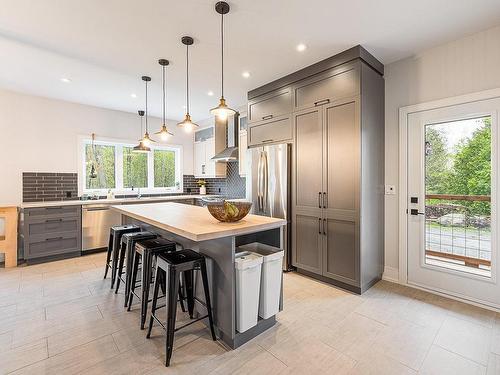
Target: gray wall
x=467 y=65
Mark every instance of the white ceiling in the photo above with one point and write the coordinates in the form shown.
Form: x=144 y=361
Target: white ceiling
x=104 y=46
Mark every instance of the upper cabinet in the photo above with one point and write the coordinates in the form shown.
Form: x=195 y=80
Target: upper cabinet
x=207 y=143
x=269 y=106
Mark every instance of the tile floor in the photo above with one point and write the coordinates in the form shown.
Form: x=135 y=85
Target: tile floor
x=62 y=318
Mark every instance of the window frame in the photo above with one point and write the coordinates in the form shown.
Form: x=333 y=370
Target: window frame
x=119 y=188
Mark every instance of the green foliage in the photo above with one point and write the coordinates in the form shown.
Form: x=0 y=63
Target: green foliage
x=164 y=168
x=135 y=169
x=437 y=169
x=103 y=158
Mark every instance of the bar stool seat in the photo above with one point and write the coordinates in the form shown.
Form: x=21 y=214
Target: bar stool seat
x=115 y=235
x=173 y=264
x=126 y=257
x=145 y=251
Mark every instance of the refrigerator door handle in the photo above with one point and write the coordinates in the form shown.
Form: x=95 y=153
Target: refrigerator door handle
x=259 y=181
x=265 y=181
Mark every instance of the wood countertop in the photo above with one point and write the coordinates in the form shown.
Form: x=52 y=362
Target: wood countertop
x=193 y=222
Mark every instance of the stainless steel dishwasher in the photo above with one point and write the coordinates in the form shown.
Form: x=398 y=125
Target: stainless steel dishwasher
x=96 y=221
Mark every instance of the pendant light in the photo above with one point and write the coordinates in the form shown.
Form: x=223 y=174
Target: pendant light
x=187 y=124
x=164 y=133
x=146 y=140
x=141 y=147
x=93 y=172
x=222 y=111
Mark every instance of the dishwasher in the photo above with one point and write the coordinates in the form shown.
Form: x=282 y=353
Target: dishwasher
x=97 y=219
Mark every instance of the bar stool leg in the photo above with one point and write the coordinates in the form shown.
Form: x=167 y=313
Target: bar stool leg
x=129 y=257
x=158 y=280
x=108 y=255
x=188 y=283
x=145 y=282
x=120 y=266
x=173 y=287
x=181 y=298
x=204 y=276
x=133 y=281
x=114 y=265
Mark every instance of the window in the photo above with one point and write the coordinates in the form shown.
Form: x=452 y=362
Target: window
x=113 y=165
x=100 y=162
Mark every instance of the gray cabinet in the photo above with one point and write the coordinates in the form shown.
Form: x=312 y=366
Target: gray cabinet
x=52 y=231
x=336 y=117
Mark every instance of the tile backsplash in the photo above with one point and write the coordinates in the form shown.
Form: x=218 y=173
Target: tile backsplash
x=39 y=187
x=232 y=185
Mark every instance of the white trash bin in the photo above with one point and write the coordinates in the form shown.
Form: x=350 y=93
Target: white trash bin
x=248 y=269
x=270 y=280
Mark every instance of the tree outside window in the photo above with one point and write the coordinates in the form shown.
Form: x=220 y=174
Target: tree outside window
x=164 y=168
x=135 y=169
x=103 y=159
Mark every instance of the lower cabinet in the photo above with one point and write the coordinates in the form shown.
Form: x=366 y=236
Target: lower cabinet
x=308 y=243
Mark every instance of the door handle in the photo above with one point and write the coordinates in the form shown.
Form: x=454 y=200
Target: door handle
x=319 y=226
x=324 y=227
x=319 y=199
x=260 y=182
x=321 y=102
x=325 y=202
x=415 y=212
x=268 y=117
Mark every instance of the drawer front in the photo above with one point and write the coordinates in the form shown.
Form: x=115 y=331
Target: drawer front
x=270 y=132
x=53 y=225
x=269 y=106
x=39 y=246
x=55 y=211
x=325 y=88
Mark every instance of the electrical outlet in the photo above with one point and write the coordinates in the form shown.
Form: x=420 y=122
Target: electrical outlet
x=390 y=189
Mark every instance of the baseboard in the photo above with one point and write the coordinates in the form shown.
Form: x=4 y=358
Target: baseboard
x=391 y=274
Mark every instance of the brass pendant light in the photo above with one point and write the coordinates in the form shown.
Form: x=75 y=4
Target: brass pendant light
x=164 y=133
x=146 y=140
x=222 y=111
x=141 y=147
x=93 y=169
x=187 y=124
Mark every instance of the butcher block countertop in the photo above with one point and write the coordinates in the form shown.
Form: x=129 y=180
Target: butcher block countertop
x=193 y=222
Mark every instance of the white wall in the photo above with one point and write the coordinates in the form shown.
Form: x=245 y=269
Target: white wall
x=41 y=135
x=466 y=65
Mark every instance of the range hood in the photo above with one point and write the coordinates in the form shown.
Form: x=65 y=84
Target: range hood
x=230 y=153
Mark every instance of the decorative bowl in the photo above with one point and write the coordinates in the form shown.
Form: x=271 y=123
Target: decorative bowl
x=228 y=211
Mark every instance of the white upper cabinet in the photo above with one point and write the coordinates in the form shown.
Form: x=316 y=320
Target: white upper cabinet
x=207 y=142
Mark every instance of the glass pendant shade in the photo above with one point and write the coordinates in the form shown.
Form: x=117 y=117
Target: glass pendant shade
x=164 y=133
x=187 y=124
x=222 y=111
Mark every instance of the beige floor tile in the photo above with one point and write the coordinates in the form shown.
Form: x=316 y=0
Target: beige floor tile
x=472 y=314
x=5 y=341
x=376 y=363
x=442 y=362
x=493 y=364
x=10 y=323
x=75 y=360
x=17 y=358
x=467 y=339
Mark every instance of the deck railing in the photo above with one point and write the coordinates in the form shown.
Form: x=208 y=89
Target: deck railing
x=458 y=229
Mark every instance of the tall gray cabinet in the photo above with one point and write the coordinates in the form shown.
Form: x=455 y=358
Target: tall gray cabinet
x=334 y=111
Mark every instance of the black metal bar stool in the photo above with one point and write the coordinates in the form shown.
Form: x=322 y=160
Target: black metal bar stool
x=126 y=256
x=173 y=264
x=144 y=251
x=115 y=235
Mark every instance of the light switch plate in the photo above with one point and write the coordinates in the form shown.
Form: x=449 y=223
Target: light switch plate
x=390 y=189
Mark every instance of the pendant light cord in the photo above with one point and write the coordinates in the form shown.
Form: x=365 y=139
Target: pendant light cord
x=164 y=94
x=187 y=78
x=222 y=53
x=146 y=106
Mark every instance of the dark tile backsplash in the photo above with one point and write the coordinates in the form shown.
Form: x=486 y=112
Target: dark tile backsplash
x=39 y=187
x=232 y=186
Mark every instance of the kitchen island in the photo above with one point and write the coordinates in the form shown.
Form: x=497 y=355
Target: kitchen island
x=194 y=228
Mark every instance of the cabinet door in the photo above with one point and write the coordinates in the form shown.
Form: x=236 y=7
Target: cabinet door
x=271 y=105
x=341 y=195
x=199 y=158
x=306 y=244
x=308 y=159
x=209 y=154
x=276 y=130
x=242 y=153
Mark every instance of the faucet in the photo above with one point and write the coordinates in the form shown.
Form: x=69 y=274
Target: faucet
x=138 y=192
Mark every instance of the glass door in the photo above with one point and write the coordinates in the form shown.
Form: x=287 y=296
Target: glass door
x=451 y=201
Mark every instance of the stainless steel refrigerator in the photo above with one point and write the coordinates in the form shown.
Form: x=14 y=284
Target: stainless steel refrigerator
x=269 y=187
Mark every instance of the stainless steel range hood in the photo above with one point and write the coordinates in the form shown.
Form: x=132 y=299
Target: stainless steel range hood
x=230 y=153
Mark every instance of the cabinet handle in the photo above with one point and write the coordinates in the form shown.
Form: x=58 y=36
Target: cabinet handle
x=319 y=199
x=324 y=227
x=319 y=226
x=321 y=102
x=268 y=117
x=325 y=201
x=267 y=140
x=53 y=220
x=54 y=239
x=203 y=169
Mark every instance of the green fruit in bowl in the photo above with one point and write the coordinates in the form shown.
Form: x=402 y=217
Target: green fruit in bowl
x=230 y=209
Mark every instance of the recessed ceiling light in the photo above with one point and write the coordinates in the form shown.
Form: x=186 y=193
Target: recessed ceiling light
x=65 y=80
x=245 y=74
x=133 y=96
x=301 y=47
x=210 y=93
